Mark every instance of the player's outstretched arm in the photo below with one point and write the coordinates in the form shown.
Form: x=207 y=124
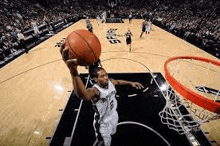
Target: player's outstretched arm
x=136 y=85
x=79 y=88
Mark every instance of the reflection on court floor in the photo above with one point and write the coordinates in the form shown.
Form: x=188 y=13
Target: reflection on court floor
x=139 y=120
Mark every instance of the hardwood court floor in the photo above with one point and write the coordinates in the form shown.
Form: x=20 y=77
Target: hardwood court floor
x=35 y=86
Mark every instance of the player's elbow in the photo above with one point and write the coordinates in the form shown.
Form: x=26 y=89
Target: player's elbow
x=87 y=98
x=84 y=97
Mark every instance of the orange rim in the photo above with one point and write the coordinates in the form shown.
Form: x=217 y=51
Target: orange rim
x=186 y=92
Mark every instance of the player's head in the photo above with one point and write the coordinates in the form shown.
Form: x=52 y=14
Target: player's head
x=99 y=75
x=102 y=77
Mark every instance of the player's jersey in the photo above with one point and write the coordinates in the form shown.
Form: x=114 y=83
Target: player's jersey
x=147 y=27
x=87 y=21
x=144 y=26
x=89 y=27
x=105 y=107
x=128 y=34
x=98 y=17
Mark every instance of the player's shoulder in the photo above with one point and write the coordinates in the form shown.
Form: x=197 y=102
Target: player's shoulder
x=113 y=81
x=94 y=92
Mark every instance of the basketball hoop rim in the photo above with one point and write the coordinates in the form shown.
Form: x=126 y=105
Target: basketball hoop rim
x=186 y=92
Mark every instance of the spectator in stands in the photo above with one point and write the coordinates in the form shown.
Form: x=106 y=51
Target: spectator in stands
x=21 y=39
x=1 y=49
x=46 y=20
x=178 y=18
x=5 y=45
x=14 y=39
x=35 y=28
x=1 y=54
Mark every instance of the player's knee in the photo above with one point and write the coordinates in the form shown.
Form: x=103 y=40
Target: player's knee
x=105 y=133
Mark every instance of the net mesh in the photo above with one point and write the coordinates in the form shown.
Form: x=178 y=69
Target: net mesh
x=175 y=114
x=201 y=77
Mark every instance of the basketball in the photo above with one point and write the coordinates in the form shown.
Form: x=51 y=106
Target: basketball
x=84 y=46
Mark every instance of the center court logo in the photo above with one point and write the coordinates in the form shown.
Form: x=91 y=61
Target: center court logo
x=111 y=36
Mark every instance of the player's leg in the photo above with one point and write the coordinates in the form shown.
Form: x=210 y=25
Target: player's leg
x=99 y=143
x=147 y=32
x=129 y=43
x=130 y=47
x=99 y=140
x=106 y=130
x=141 y=33
x=107 y=140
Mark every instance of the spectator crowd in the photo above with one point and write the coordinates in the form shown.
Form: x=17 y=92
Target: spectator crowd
x=198 y=21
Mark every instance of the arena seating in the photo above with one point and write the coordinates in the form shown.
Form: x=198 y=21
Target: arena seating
x=198 y=22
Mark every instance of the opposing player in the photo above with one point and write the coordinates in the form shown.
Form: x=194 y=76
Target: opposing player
x=89 y=27
x=98 y=19
x=102 y=96
x=128 y=35
x=143 y=27
x=130 y=18
x=104 y=15
x=87 y=20
x=148 y=28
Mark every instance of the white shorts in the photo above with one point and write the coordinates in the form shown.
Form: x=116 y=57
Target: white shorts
x=107 y=128
x=147 y=29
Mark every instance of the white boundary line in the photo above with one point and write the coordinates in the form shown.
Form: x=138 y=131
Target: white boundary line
x=76 y=120
x=145 y=126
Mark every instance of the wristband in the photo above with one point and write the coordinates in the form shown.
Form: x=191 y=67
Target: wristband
x=74 y=73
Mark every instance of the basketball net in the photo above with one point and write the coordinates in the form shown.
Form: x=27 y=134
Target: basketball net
x=193 y=93
x=112 y=3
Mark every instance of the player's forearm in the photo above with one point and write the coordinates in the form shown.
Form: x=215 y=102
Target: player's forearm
x=79 y=87
x=133 y=84
x=123 y=82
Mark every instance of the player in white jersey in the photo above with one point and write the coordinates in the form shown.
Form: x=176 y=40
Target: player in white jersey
x=102 y=96
x=106 y=116
x=148 y=28
x=98 y=19
x=130 y=18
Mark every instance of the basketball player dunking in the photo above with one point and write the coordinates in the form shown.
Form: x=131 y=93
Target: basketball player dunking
x=102 y=96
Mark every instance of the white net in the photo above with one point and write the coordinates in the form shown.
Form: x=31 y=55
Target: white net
x=200 y=77
x=175 y=114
